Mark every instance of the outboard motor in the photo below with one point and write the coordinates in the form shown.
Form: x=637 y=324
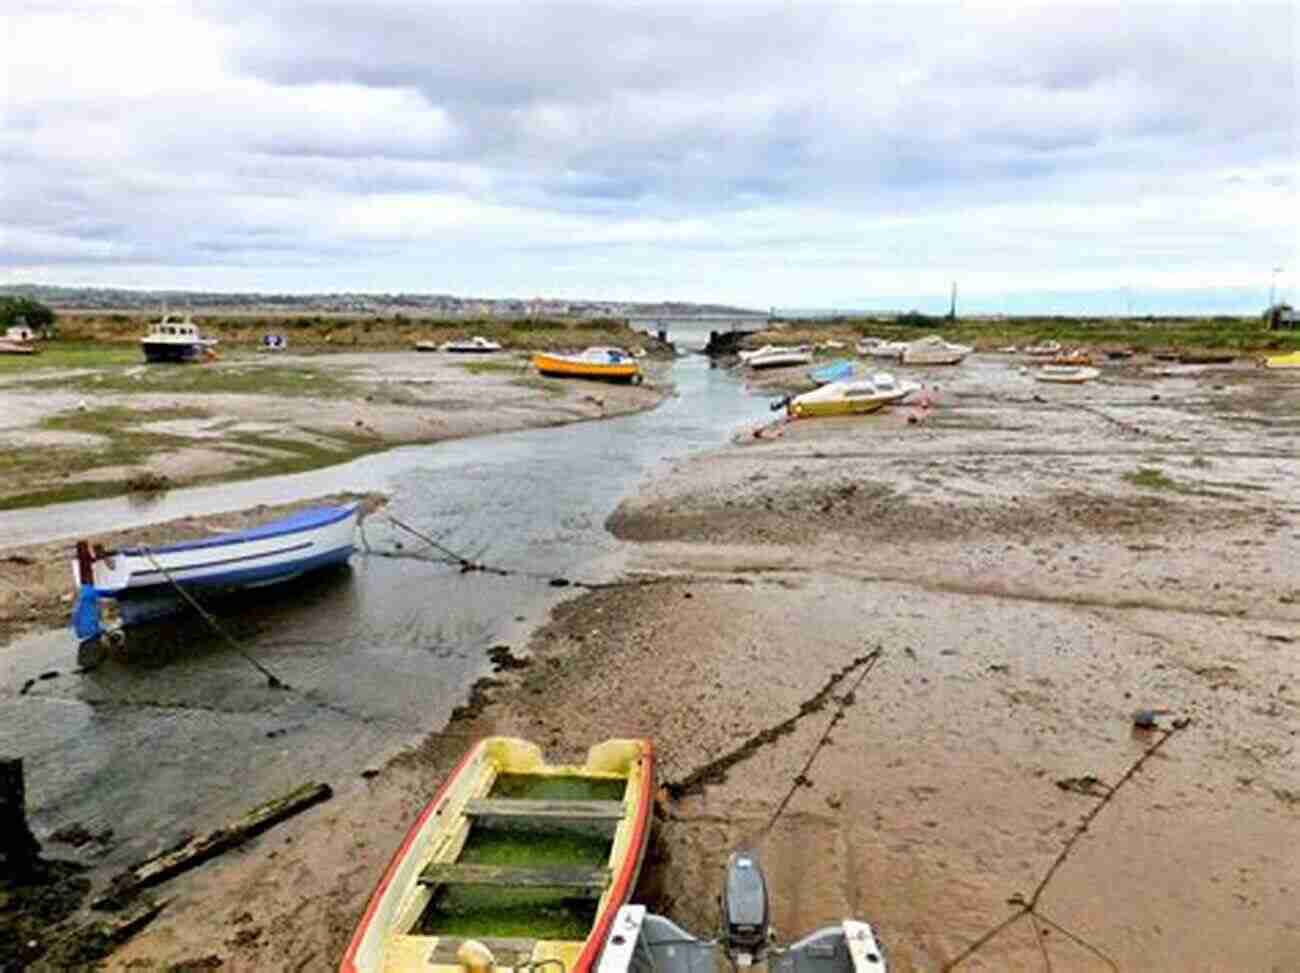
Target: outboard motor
x=745 y=924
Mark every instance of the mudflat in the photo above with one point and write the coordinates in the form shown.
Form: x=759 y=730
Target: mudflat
x=113 y=424
x=901 y=655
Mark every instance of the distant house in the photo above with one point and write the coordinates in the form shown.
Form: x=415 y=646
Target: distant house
x=1281 y=316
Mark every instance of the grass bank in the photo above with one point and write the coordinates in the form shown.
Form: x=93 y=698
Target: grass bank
x=326 y=332
x=1148 y=334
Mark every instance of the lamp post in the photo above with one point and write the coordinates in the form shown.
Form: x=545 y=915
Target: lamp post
x=1272 y=286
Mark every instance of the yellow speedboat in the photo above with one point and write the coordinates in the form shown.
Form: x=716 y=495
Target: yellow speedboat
x=851 y=397
x=1291 y=360
x=515 y=862
x=608 y=364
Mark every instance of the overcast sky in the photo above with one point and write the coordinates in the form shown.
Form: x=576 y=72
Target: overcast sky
x=1096 y=158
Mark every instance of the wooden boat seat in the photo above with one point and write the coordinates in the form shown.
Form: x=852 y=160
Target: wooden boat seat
x=601 y=817
x=584 y=881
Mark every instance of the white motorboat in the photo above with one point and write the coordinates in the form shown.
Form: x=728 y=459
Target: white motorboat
x=175 y=339
x=1072 y=374
x=1048 y=349
x=469 y=345
x=934 y=350
x=777 y=356
x=880 y=348
x=854 y=396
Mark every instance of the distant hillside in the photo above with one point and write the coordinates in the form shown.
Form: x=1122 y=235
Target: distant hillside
x=115 y=299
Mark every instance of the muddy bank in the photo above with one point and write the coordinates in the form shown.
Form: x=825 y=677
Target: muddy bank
x=1033 y=565
x=80 y=432
x=36 y=581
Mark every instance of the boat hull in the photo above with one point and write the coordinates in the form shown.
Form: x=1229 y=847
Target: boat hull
x=384 y=941
x=836 y=407
x=559 y=366
x=268 y=555
x=780 y=359
x=834 y=372
x=933 y=357
x=1068 y=375
x=173 y=352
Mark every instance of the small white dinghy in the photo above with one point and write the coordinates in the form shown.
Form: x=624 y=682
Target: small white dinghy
x=470 y=345
x=777 y=356
x=934 y=350
x=1069 y=374
x=880 y=348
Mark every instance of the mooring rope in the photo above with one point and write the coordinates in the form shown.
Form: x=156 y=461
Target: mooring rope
x=272 y=680
x=842 y=704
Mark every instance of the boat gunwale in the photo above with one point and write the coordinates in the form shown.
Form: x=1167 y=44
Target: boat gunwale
x=621 y=884
x=273 y=529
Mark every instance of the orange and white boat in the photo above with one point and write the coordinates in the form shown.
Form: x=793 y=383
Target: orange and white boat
x=607 y=364
x=514 y=864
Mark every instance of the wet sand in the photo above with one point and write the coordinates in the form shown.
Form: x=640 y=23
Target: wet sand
x=1033 y=564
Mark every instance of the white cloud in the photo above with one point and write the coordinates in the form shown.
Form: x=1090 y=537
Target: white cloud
x=707 y=151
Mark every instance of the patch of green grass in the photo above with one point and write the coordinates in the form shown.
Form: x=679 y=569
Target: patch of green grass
x=1151 y=478
x=70 y=354
x=492 y=367
x=1222 y=334
x=212 y=379
x=121 y=443
x=548 y=386
x=67 y=493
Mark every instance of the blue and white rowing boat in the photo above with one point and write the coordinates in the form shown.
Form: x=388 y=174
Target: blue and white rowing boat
x=836 y=371
x=270 y=553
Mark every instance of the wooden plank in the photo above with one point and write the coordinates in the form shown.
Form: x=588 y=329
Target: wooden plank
x=193 y=852
x=590 y=882
x=541 y=810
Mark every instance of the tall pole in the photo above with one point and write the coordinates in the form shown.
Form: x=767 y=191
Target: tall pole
x=1272 y=286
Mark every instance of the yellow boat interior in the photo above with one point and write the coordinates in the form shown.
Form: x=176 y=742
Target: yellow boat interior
x=516 y=854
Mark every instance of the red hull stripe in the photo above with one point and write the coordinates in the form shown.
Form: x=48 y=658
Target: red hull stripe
x=622 y=886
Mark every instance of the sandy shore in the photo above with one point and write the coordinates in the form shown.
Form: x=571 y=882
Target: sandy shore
x=1032 y=565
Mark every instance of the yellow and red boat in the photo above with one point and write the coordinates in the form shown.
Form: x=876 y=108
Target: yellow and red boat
x=456 y=892
x=607 y=364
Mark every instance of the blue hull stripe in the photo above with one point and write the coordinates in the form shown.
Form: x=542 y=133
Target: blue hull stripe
x=244 y=576
x=182 y=569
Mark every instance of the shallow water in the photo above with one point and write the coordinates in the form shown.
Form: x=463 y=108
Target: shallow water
x=184 y=732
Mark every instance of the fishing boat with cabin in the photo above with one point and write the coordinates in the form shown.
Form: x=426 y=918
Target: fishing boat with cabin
x=176 y=339
x=516 y=863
